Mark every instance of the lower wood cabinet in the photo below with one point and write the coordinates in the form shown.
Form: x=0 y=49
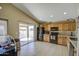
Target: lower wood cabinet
x=46 y=38
x=62 y=40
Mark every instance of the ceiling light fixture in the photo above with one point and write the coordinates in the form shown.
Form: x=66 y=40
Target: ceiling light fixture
x=40 y=18
x=51 y=16
x=0 y=7
x=65 y=13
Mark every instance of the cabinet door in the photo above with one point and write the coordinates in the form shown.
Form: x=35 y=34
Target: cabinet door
x=46 y=37
x=65 y=27
x=60 y=40
x=74 y=26
x=71 y=26
x=60 y=27
x=64 y=41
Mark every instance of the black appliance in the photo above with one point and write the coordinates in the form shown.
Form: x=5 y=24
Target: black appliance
x=37 y=33
x=40 y=33
x=54 y=35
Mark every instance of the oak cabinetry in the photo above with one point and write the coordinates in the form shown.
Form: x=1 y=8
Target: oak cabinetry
x=62 y=26
x=65 y=27
x=71 y=26
x=62 y=40
x=46 y=27
x=46 y=38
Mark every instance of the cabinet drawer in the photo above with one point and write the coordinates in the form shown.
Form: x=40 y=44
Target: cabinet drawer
x=46 y=37
x=62 y=40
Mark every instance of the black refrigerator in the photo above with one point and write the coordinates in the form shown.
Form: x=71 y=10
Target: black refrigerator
x=40 y=33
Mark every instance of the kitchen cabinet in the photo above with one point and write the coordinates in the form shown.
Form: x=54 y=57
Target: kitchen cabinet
x=72 y=26
x=62 y=40
x=60 y=27
x=46 y=38
x=63 y=26
x=47 y=27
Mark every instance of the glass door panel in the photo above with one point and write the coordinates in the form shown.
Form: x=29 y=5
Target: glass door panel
x=31 y=32
x=26 y=33
x=23 y=34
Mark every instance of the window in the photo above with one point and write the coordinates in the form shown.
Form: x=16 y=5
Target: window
x=3 y=27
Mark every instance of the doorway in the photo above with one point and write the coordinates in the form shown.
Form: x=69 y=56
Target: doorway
x=26 y=33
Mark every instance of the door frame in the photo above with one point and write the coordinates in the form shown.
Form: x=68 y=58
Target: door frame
x=35 y=30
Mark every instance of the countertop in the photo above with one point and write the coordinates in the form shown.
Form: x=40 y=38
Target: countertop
x=73 y=42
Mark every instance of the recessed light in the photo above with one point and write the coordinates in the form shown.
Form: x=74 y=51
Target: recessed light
x=0 y=7
x=40 y=18
x=51 y=16
x=65 y=13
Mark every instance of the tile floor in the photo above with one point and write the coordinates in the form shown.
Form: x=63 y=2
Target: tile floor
x=43 y=49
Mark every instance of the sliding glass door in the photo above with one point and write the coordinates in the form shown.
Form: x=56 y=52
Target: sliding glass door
x=31 y=33
x=23 y=33
x=26 y=33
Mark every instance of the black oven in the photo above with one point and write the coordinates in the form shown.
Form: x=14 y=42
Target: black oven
x=54 y=35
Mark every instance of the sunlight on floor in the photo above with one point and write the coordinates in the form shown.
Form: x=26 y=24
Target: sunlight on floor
x=43 y=49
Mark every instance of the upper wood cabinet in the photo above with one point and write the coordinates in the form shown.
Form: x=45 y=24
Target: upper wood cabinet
x=60 y=27
x=46 y=26
x=72 y=26
x=68 y=26
x=63 y=26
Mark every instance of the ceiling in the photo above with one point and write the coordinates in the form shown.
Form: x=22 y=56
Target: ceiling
x=49 y=12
